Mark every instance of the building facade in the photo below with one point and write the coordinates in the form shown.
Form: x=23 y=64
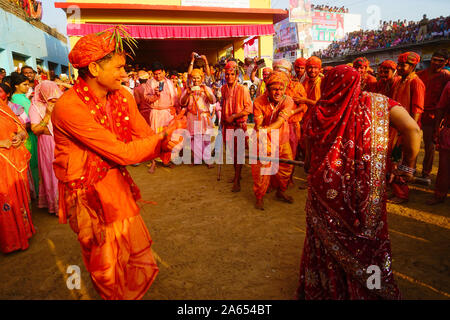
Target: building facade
x=26 y=41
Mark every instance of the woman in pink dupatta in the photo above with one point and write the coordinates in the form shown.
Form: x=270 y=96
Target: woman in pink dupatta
x=347 y=140
x=46 y=94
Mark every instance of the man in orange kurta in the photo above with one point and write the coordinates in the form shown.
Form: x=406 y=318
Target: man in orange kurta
x=236 y=106
x=387 y=72
x=435 y=79
x=300 y=69
x=312 y=87
x=368 y=82
x=272 y=112
x=98 y=131
x=409 y=91
x=297 y=92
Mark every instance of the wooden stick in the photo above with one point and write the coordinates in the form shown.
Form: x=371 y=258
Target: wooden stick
x=294 y=162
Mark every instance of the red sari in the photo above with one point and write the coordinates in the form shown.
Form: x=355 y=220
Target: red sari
x=16 y=226
x=346 y=206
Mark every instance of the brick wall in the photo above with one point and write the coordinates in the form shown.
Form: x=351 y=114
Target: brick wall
x=10 y=7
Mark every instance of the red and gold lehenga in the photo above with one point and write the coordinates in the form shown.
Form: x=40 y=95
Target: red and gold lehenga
x=346 y=206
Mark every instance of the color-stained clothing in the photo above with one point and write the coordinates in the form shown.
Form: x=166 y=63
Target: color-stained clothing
x=163 y=109
x=410 y=93
x=97 y=195
x=295 y=90
x=199 y=123
x=434 y=85
x=16 y=226
x=443 y=175
x=143 y=106
x=31 y=144
x=198 y=109
x=369 y=83
x=386 y=88
x=266 y=114
x=48 y=184
x=346 y=218
x=235 y=100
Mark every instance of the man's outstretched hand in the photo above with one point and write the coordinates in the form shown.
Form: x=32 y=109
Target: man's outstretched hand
x=179 y=122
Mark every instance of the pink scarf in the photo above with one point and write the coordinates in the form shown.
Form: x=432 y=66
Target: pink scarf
x=44 y=92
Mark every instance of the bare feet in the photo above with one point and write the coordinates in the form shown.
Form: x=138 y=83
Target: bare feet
x=284 y=197
x=396 y=200
x=435 y=201
x=236 y=187
x=169 y=165
x=259 y=204
x=209 y=166
x=152 y=167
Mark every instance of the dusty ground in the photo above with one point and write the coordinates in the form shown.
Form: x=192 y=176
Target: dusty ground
x=212 y=244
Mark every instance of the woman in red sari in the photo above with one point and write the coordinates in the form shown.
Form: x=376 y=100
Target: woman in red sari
x=16 y=226
x=347 y=140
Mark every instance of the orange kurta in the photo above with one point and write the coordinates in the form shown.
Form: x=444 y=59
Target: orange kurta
x=410 y=93
x=235 y=100
x=16 y=226
x=265 y=115
x=296 y=90
x=386 y=87
x=369 y=83
x=434 y=85
x=115 y=242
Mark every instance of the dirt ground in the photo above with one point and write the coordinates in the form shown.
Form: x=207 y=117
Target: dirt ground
x=211 y=243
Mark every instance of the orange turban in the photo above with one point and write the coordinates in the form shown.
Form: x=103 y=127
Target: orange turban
x=314 y=62
x=197 y=72
x=231 y=65
x=277 y=77
x=361 y=62
x=300 y=62
x=389 y=64
x=90 y=48
x=409 y=57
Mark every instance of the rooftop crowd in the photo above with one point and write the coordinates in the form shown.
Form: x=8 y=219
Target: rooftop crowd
x=390 y=34
x=322 y=7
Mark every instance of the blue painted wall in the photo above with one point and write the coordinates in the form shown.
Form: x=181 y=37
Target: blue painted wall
x=18 y=36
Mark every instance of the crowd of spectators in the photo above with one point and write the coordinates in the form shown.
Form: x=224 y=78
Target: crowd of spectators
x=390 y=34
x=32 y=8
x=321 y=7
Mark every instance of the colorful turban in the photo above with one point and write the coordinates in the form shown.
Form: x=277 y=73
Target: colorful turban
x=267 y=69
x=197 y=72
x=142 y=74
x=361 y=62
x=231 y=65
x=90 y=48
x=283 y=64
x=277 y=77
x=314 y=62
x=300 y=62
x=389 y=64
x=409 y=57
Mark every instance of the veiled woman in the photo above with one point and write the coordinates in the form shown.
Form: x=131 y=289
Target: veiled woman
x=347 y=234
x=16 y=226
x=45 y=96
